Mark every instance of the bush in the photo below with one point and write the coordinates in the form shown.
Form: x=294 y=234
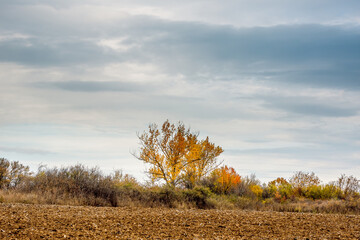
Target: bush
x=327 y=191
x=314 y=192
x=88 y=185
x=243 y=188
x=330 y=191
x=168 y=196
x=257 y=190
x=199 y=196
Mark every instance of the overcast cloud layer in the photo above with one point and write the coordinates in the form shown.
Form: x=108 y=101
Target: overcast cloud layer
x=275 y=83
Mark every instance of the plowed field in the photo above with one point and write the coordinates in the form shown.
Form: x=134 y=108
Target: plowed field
x=20 y=221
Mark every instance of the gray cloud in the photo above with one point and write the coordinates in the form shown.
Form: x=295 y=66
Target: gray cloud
x=45 y=52
x=314 y=55
x=91 y=86
x=309 y=54
x=312 y=107
x=234 y=12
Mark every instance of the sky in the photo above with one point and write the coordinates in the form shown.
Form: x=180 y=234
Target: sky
x=275 y=83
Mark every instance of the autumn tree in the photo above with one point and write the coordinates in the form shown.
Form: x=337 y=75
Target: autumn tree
x=226 y=178
x=278 y=182
x=206 y=153
x=301 y=181
x=12 y=173
x=176 y=155
x=280 y=189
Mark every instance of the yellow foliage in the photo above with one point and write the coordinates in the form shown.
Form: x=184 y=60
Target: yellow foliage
x=176 y=155
x=257 y=190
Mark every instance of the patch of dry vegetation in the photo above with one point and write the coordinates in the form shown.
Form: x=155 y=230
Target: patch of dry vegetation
x=225 y=189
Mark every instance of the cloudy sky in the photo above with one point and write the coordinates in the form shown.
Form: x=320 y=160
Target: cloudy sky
x=275 y=83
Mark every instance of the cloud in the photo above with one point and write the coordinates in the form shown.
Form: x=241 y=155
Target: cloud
x=90 y=86
x=313 y=107
x=62 y=52
x=312 y=54
x=238 y=13
x=318 y=110
x=25 y=150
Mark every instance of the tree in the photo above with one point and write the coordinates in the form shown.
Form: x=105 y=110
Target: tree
x=304 y=179
x=226 y=179
x=349 y=185
x=278 y=182
x=301 y=181
x=176 y=155
x=280 y=189
x=12 y=173
x=4 y=172
x=206 y=153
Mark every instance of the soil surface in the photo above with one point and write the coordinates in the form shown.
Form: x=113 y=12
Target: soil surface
x=21 y=221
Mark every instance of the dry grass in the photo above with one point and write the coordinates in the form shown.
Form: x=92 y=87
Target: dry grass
x=350 y=206
x=191 y=199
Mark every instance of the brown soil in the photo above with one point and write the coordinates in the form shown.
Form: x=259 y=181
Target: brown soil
x=20 y=221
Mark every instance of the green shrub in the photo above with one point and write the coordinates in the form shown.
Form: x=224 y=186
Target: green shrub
x=286 y=191
x=199 y=196
x=168 y=196
x=314 y=192
x=330 y=191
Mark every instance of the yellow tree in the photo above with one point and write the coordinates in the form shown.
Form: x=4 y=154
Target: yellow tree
x=174 y=153
x=206 y=153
